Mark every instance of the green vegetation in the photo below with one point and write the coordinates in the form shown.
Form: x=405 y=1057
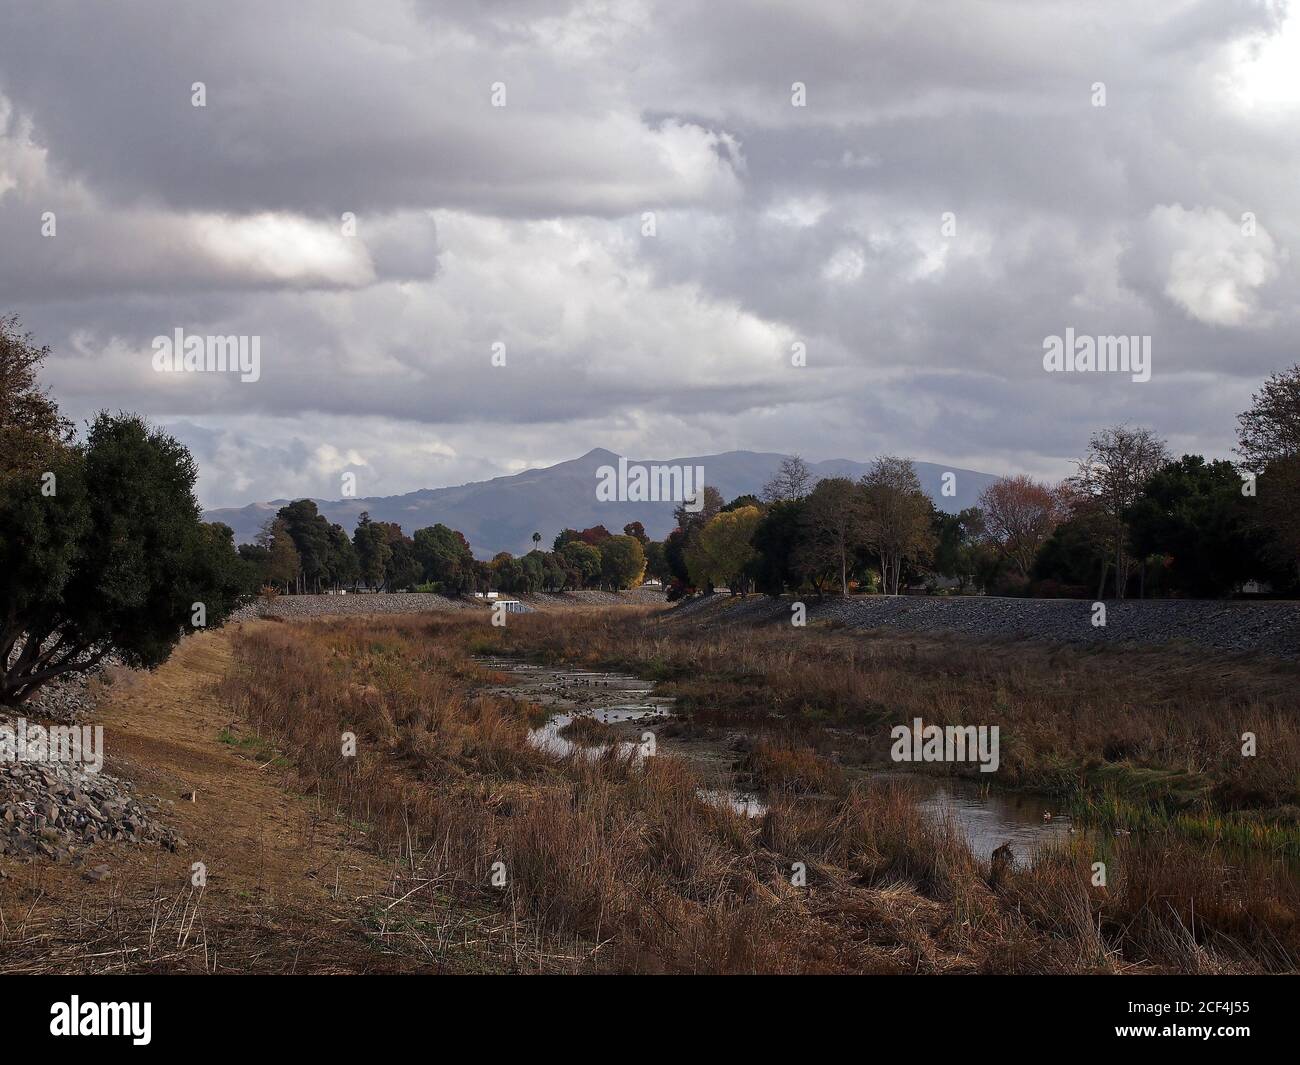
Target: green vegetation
x=102 y=547
x=1133 y=521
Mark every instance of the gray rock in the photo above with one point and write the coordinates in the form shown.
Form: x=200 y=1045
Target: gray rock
x=54 y=810
x=1270 y=628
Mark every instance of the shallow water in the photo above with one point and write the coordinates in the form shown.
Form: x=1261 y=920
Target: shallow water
x=614 y=698
x=986 y=817
x=548 y=737
x=989 y=818
x=743 y=802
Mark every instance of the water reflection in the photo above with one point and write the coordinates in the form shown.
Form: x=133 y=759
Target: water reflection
x=988 y=818
x=985 y=818
x=548 y=738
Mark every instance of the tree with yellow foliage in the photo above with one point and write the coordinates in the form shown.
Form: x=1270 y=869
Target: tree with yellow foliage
x=723 y=553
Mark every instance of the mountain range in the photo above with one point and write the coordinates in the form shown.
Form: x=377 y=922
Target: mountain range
x=503 y=513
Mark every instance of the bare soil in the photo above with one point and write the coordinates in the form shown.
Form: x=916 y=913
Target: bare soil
x=287 y=889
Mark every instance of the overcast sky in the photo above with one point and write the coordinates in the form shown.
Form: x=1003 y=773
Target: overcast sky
x=774 y=225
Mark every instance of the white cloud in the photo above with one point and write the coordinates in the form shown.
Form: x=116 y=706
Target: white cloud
x=1212 y=270
x=283 y=248
x=1264 y=73
x=328 y=460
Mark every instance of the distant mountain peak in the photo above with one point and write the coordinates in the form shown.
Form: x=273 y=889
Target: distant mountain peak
x=502 y=514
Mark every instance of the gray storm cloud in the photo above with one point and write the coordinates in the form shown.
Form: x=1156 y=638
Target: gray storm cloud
x=648 y=225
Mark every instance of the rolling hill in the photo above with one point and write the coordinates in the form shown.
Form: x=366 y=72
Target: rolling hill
x=503 y=513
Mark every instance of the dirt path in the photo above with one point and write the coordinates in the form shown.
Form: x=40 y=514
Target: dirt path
x=287 y=890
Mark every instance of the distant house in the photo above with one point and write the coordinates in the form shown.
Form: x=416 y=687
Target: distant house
x=513 y=606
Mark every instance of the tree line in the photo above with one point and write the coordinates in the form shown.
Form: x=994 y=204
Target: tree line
x=300 y=551
x=1132 y=521
x=103 y=550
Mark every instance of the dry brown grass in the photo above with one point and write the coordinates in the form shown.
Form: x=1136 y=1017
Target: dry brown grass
x=1161 y=724
x=628 y=869
x=777 y=763
x=289 y=889
x=590 y=732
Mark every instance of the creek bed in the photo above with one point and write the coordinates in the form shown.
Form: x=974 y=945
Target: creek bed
x=986 y=817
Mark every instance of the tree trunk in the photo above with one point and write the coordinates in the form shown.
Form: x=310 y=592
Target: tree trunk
x=1119 y=564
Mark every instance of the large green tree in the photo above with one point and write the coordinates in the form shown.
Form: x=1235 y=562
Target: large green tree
x=777 y=539
x=1193 y=512
x=960 y=552
x=282 y=564
x=401 y=569
x=507 y=572
x=1076 y=557
x=344 y=566
x=373 y=553
x=583 y=560
x=311 y=536
x=109 y=556
x=656 y=561
x=622 y=562
x=445 y=557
